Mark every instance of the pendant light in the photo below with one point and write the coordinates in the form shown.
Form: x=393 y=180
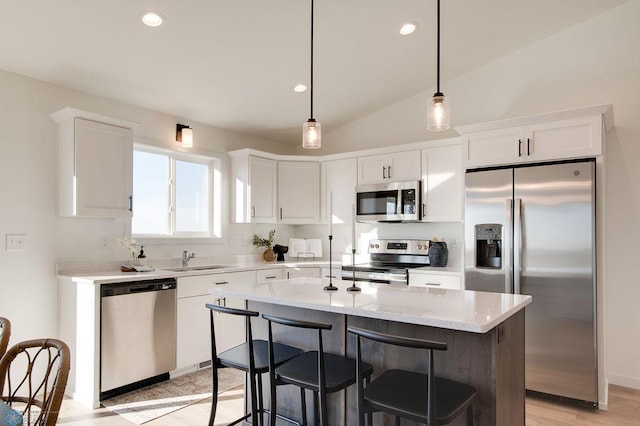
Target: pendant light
x=438 y=109
x=311 y=134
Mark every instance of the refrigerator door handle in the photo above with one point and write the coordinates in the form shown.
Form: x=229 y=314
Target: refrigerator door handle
x=507 y=252
x=517 y=244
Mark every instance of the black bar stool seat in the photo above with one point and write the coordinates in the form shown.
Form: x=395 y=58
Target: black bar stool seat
x=404 y=393
x=303 y=371
x=238 y=356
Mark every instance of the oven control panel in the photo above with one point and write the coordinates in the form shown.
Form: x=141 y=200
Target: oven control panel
x=414 y=247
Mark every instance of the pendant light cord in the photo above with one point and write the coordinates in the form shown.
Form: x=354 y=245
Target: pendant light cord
x=311 y=85
x=438 y=49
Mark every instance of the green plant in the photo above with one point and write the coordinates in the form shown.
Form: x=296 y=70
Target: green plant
x=264 y=242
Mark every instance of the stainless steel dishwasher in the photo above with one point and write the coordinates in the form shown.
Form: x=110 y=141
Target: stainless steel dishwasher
x=137 y=334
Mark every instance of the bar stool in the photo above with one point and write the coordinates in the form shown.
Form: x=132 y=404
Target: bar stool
x=424 y=398
x=320 y=372
x=252 y=357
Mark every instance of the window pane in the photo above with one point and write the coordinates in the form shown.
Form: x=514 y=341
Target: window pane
x=150 y=193
x=192 y=197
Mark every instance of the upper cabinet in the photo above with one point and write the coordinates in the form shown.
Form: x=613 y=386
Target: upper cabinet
x=548 y=137
x=253 y=188
x=393 y=167
x=442 y=189
x=299 y=192
x=339 y=179
x=95 y=165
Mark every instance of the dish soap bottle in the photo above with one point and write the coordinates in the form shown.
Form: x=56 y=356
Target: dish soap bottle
x=142 y=258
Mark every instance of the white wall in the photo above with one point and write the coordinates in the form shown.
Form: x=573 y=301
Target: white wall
x=28 y=285
x=596 y=62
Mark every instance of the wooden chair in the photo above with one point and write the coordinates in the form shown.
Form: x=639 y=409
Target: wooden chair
x=33 y=377
x=320 y=372
x=252 y=357
x=423 y=398
x=5 y=334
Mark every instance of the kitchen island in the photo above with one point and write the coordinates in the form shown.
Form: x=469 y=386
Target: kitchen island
x=484 y=333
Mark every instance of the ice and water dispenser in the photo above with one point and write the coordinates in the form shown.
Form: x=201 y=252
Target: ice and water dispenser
x=489 y=245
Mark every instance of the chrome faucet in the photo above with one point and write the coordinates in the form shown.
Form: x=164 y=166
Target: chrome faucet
x=186 y=257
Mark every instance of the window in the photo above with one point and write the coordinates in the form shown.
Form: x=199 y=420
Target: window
x=175 y=194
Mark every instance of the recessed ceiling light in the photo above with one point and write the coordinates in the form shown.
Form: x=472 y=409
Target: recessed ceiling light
x=408 y=28
x=151 y=18
x=300 y=88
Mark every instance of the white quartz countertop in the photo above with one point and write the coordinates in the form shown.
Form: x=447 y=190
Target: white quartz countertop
x=116 y=276
x=463 y=310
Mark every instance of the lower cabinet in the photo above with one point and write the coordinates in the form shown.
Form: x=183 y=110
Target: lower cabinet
x=303 y=272
x=266 y=275
x=428 y=279
x=193 y=327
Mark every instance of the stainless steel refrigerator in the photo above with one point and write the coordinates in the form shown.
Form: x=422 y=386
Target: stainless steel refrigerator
x=531 y=230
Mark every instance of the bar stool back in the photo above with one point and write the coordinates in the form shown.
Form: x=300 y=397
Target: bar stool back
x=252 y=357
x=423 y=398
x=320 y=372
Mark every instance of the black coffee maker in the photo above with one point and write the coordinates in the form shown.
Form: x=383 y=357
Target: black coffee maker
x=280 y=251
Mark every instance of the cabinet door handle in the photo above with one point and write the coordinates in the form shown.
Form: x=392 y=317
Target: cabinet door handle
x=528 y=146
x=519 y=147
x=280 y=213
x=424 y=209
x=218 y=301
x=222 y=282
x=131 y=203
x=253 y=212
x=389 y=172
x=224 y=301
x=434 y=284
x=271 y=277
x=384 y=172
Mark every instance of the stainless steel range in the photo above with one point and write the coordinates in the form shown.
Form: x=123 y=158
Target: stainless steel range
x=389 y=261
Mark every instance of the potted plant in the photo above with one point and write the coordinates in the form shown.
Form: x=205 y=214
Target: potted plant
x=268 y=255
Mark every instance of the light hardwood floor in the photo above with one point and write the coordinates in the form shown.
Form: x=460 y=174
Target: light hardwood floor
x=624 y=410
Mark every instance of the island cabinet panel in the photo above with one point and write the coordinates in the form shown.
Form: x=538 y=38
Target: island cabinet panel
x=492 y=362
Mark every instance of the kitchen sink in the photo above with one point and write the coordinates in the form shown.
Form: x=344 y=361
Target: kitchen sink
x=194 y=268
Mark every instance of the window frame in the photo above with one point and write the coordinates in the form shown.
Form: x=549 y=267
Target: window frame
x=214 y=165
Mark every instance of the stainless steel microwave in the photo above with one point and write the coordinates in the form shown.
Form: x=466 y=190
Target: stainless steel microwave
x=389 y=202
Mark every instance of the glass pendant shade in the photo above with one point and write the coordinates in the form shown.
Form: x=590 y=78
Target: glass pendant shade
x=311 y=134
x=438 y=113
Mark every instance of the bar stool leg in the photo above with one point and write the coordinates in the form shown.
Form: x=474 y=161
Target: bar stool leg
x=470 y=415
x=214 y=396
x=260 y=400
x=303 y=405
x=397 y=421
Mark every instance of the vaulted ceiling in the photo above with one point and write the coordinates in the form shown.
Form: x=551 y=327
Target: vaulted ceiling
x=233 y=63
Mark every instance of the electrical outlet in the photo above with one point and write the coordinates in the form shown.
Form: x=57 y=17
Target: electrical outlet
x=245 y=240
x=453 y=243
x=234 y=240
x=16 y=242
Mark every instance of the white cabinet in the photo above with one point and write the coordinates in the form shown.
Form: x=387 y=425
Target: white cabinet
x=429 y=279
x=303 y=272
x=253 y=189
x=442 y=190
x=266 y=275
x=540 y=141
x=393 y=167
x=299 y=192
x=339 y=179
x=193 y=326
x=95 y=168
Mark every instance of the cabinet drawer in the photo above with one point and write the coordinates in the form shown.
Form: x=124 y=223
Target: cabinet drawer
x=435 y=280
x=200 y=284
x=265 y=275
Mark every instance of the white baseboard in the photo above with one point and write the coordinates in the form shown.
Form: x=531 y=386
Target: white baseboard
x=625 y=381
